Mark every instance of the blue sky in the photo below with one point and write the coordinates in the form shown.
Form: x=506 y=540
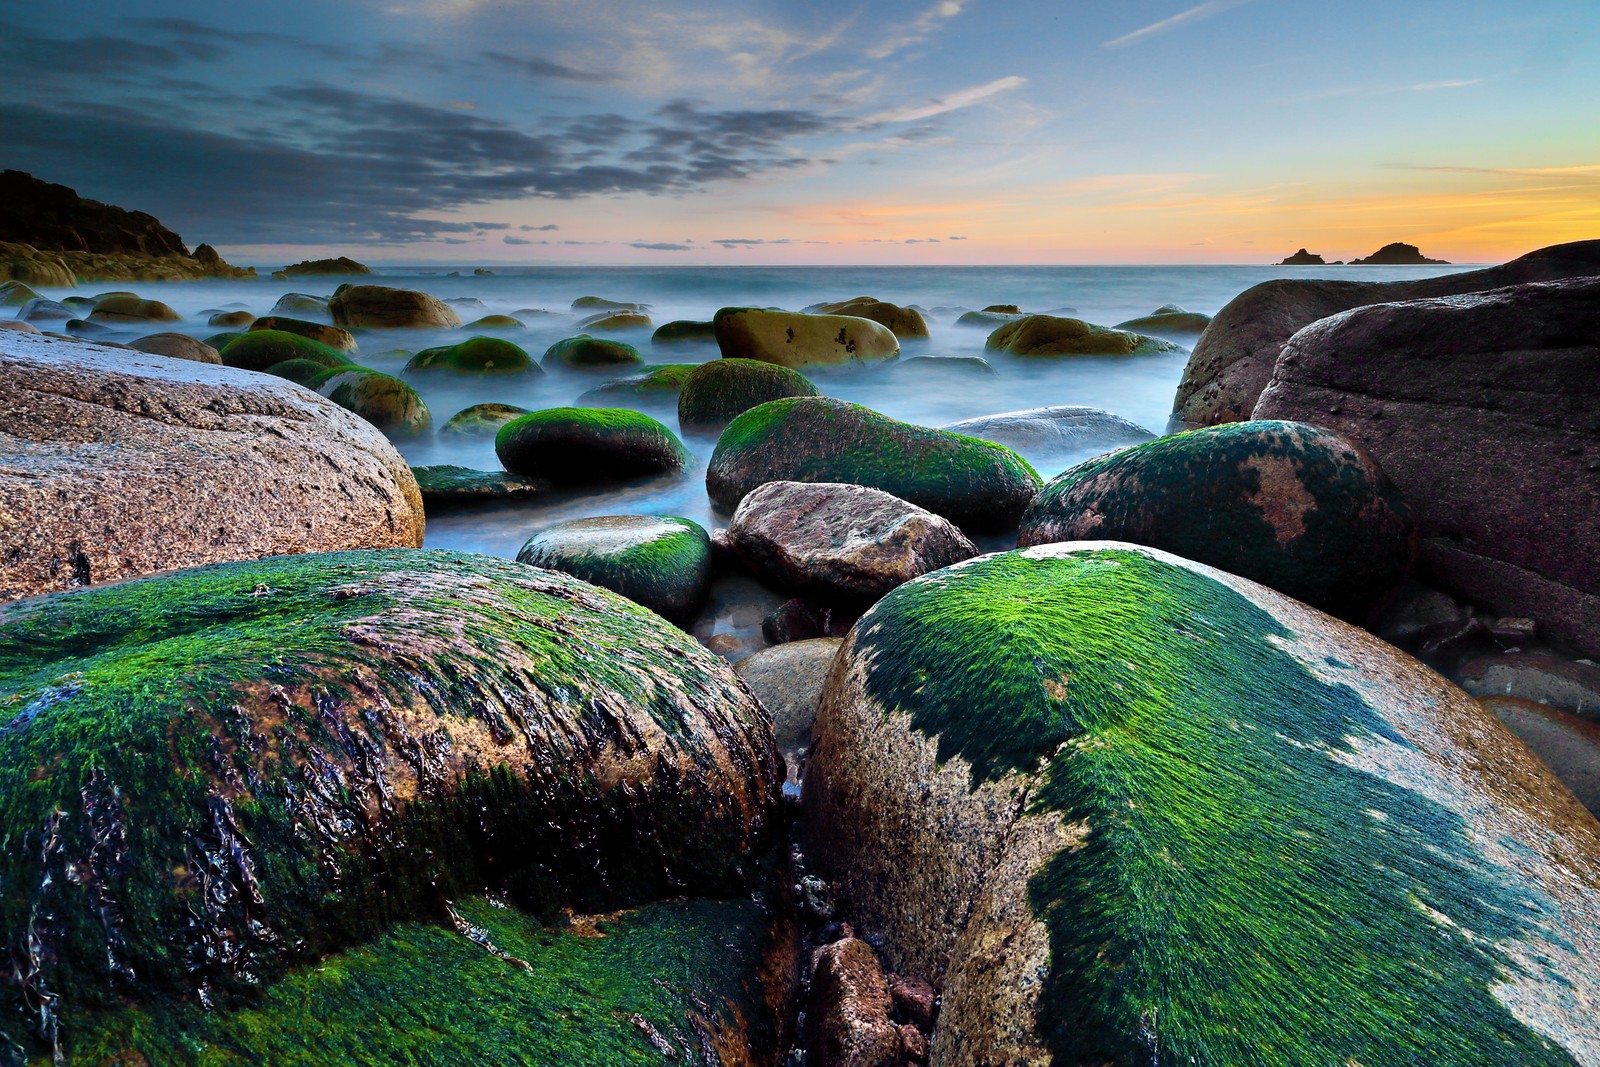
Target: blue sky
x=945 y=131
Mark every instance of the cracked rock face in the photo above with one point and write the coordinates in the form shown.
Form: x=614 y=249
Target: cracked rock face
x=116 y=463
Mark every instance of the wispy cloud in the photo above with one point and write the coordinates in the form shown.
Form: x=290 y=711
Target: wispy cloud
x=951 y=102
x=659 y=246
x=1198 y=13
x=919 y=29
x=1389 y=90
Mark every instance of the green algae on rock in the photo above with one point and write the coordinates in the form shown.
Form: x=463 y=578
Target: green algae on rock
x=211 y=775
x=445 y=486
x=335 y=337
x=476 y=355
x=263 y=349
x=975 y=484
x=1130 y=809
x=576 y=445
x=657 y=985
x=658 y=382
x=586 y=351
x=382 y=399
x=684 y=331
x=1048 y=335
x=716 y=393
x=1287 y=504
x=660 y=561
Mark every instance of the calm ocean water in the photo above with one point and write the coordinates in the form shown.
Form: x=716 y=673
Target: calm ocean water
x=1138 y=388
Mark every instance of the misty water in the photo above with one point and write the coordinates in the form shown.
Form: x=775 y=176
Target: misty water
x=1139 y=388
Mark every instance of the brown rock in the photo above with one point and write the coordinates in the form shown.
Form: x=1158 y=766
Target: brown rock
x=332 y=336
x=1232 y=362
x=913 y=1044
x=915 y=1000
x=18 y=325
x=841 y=542
x=117 y=466
x=788 y=680
x=380 y=307
x=231 y=318
x=1482 y=409
x=904 y=323
x=1569 y=745
x=848 y=1024
x=796 y=340
x=1562 y=683
x=177 y=346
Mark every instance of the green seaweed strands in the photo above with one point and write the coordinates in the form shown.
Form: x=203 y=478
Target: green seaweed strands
x=209 y=775
x=1243 y=896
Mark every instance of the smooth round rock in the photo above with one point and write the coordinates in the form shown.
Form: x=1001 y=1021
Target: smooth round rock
x=177 y=346
x=716 y=393
x=793 y=339
x=586 y=351
x=904 y=323
x=788 y=680
x=476 y=355
x=301 y=304
x=446 y=487
x=684 y=331
x=481 y=420
x=616 y=320
x=660 y=561
x=334 y=337
x=126 y=307
x=495 y=322
x=231 y=318
x=658 y=384
x=1569 y=744
x=1048 y=335
x=382 y=399
x=261 y=349
x=381 y=307
x=1055 y=431
x=1168 y=321
x=1283 y=503
x=579 y=445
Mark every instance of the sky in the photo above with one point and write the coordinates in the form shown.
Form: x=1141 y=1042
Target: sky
x=836 y=131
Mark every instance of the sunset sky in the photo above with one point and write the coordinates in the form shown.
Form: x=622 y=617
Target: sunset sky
x=924 y=131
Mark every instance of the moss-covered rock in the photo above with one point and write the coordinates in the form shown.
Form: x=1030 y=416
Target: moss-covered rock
x=1049 y=335
x=476 y=355
x=684 y=331
x=333 y=336
x=586 y=351
x=230 y=318
x=301 y=304
x=260 y=349
x=1283 y=503
x=481 y=420
x=219 y=341
x=975 y=484
x=299 y=371
x=225 y=771
x=716 y=393
x=577 y=445
x=382 y=399
x=660 y=561
x=495 y=322
x=655 y=383
x=445 y=486
x=795 y=339
x=383 y=308
x=1126 y=808
x=127 y=307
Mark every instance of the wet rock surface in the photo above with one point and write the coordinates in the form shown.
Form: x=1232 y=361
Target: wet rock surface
x=788 y=680
x=1041 y=336
x=119 y=464
x=849 y=1024
x=576 y=445
x=1056 y=430
x=796 y=340
x=445 y=486
x=660 y=561
x=383 y=307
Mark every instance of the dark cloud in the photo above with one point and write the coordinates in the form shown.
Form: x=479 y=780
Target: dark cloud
x=535 y=67
x=659 y=246
x=955 y=238
x=539 y=229
x=737 y=242
x=510 y=240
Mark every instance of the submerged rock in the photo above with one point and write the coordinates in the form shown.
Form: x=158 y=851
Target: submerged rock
x=660 y=561
x=1054 y=431
x=445 y=486
x=126 y=307
x=1047 y=335
x=616 y=320
x=380 y=307
x=904 y=323
x=586 y=351
x=230 y=318
x=1121 y=807
x=1286 y=504
x=578 y=445
x=262 y=349
x=312 y=749
x=974 y=484
x=1170 y=321
x=715 y=393
x=476 y=355
x=301 y=304
x=122 y=463
x=495 y=322
x=481 y=419
x=653 y=384
x=792 y=339
x=683 y=331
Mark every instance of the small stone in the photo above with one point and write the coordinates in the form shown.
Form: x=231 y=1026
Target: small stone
x=913 y=1043
x=914 y=1000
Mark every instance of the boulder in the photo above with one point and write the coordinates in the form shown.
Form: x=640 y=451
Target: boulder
x=17 y=294
x=1055 y=431
x=788 y=680
x=1485 y=410
x=581 y=445
x=655 y=383
x=261 y=349
x=306 y=372
x=616 y=320
x=660 y=561
x=975 y=484
x=334 y=337
x=120 y=464
x=445 y=487
x=476 y=355
x=715 y=393
x=1567 y=684
x=301 y=304
x=342 y=266
x=177 y=346
x=380 y=307
x=1286 y=504
x=126 y=307
x=230 y=318
x=904 y=323
x=382 y=399
x=841 y=543
x=793 y=339
x=1121 y=807
x=40 y=309
x=1568 y=744
x=600 y=303
x=310 y=750
x=990 y=320
x=18 y=326
x=482 y=420
x=1232 y=362
x=1169 y=321
x=684 y=331
x=585 y=351
x=1048 y=335
x=495 y=322
x=848 y=1023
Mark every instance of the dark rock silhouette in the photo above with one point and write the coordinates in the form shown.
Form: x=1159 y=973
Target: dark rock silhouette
x=1397 y=254
x=1303 y=258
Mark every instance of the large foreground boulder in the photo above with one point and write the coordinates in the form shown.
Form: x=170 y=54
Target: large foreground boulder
x=223 y=772
x=1485 y=411
x=974 y=484
x=797 y=340
x=1125 y=808
x=118 y=463
x=1283 y=503
x=1233 y=360
x=381 y=307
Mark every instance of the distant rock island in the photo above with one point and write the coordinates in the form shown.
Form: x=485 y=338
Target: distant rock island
x=1303 y=258
x=342 y=266
x=1397 y=254
x=49 y=235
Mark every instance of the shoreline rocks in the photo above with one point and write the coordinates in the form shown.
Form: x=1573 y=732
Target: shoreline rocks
x=796 y=340
x=381 y=307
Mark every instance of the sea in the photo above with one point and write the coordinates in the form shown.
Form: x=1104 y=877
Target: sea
x=1139 y=388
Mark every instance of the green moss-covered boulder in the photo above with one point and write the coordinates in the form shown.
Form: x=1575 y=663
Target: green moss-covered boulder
x=230 y=318
x=585 y=351
x=127 y=307
x=660 y=561
x=1048 y=335
x=299 y=371
x=261 y=349
x=795 y=339
x=476 y=355
x=975 y=484
x=658 y=383
x=1123 y=808
x=382 y=399
x=219 y=341
x=716 y=393
x=1287 y=504
x=684 y=331
x=445 y=486
x=577 y=445
x=654 y=986
x=481 y=420
x=15 y=294
x=301 y=304
x=213 y=775
x=495 y=322
x=334 y=337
